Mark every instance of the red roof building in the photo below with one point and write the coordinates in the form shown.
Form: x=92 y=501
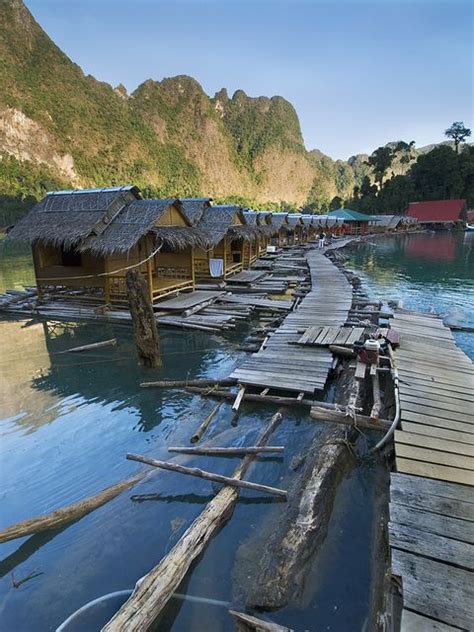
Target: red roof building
x=438 y=211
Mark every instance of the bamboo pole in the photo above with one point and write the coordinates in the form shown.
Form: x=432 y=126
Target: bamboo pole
x=69 y=513
x=247 y=623
x=251 y=397
x=228 y=451
x=203 y=427
x=94 y=345
x=208 y=476
x=180 y=383
x=148 y=600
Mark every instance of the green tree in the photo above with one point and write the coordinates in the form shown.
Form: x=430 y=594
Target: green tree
x=458 y=132
x=336 y=203
x=380 y=161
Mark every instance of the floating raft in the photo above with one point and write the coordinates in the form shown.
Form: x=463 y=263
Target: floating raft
x=283 y=365
x=431 y=528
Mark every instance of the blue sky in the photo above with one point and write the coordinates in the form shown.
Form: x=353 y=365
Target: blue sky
x=358 y=73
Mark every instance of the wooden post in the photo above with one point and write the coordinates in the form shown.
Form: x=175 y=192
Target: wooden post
x=193 y=267
x=145 y=332
x=149 y=272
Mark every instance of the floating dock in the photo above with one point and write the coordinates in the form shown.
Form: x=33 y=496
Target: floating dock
x=280 y=363
x=431 y=529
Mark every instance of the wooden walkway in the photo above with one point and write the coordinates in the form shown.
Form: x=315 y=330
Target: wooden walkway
x=431 y=526
x=283 y=365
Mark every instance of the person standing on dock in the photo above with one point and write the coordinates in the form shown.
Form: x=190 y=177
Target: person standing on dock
x=322 y=238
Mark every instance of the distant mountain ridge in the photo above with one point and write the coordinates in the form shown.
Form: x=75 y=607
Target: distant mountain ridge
x=62 y=128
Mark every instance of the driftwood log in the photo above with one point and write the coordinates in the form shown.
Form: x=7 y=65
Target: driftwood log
x=248 y=623
x=142 y=609
x=208 y=476
x=205 y=424
x=145 y=332
x=69 y=513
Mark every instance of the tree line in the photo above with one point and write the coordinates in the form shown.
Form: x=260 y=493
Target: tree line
x=445 y=172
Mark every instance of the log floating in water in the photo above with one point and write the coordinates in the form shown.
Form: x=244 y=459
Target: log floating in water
x=180 y=383
x=252 y=397
x=342 y=417
x=94 y=345
x=148 y=600
x=69 y=513
x=208 y=476
x=247 y=623
x=228 y=451
x=203 y=427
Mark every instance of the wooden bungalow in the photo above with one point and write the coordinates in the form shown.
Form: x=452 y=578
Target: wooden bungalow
x=87 y=240
x=225 y=231
x=280 y=229
x=310 y=230
x=296 y=232
x=265 y=231
x=251 y=248
x=353 y=222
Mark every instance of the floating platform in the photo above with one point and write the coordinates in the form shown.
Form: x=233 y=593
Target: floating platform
x=281 y=364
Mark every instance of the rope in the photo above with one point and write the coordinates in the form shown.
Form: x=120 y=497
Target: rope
x=104 y=274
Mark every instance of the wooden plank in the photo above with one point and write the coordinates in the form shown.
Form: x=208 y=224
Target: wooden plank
x=426 y=486
x=438 y=547
x=446 y=526
x=441 y=413
x=438 y=422
x=419 y=453
x=409 y=371
x=434 y=393
x=439 y=472
x=424 y=382
x=437 y=432
x=434 y=443
x=438 y=590
x=452 y=406
x=414 y=622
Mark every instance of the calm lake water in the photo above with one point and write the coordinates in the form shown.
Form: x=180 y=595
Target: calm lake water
x=67 y=421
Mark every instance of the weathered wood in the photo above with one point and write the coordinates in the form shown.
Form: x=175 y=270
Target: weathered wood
x=228 y=451
x=432 y=522
x=69 y=513
x=142 y=609
x=248 y=623
x=145 y=332
x=432 y=470
x=208 y=476
x=238 y=399
x=432 y=545
x=94 y=345
x=183 y=383
x=440 y=591
x=342 y=417
x=414 y=622
x=203 y=427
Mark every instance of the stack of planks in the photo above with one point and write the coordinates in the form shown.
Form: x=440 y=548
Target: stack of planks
x=432 y=502
x=283 y=365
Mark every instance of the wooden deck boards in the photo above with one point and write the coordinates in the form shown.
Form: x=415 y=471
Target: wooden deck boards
x=431 y=529
x=283 y=364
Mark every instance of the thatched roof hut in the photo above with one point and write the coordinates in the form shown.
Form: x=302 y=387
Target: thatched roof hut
x=218 y=221
x=102 y=221
x=193 y=208
x=295 y=219
x=279 y=221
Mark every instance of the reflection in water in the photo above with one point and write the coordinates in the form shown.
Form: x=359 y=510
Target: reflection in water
x=428 y=272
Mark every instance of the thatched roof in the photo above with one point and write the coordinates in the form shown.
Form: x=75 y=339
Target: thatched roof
x=216 y=222
x=279 y=221
x=102 y=221
x=294 y=219
x=136 y=220
x=308 y=219
x=65 y=218
x=193 y=208
x=255 y=220
x=265 y=223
